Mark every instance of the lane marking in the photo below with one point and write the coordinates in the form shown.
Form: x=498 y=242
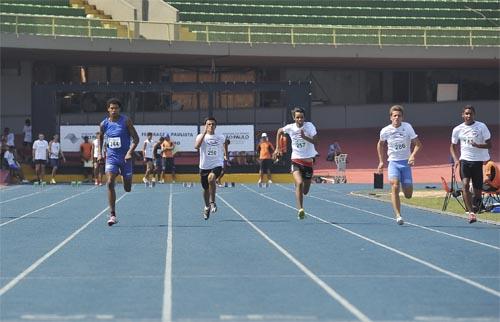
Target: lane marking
x=392 y=249
x=166 y=315
x=54 y=250
x=24 y=196
x=406 y=222
x=330 y=291
x=43 y=208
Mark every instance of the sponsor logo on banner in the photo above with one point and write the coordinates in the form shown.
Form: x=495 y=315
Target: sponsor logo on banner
x=183 y=136
x=72 y=136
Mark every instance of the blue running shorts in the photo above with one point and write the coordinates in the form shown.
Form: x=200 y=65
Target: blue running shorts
x=401 y=171
x=124 y=168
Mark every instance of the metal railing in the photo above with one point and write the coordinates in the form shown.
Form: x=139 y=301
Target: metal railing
x=294 y=35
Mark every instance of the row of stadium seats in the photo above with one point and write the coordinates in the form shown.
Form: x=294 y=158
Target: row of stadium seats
x=212 y=17
x=332 y=11
x=41 y=29
x=50 y=17
x=450 y=4
x=41 y=9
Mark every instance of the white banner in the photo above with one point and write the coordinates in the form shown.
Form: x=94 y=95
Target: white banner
x=182 y=135
x=72 y=136
x=240 y=136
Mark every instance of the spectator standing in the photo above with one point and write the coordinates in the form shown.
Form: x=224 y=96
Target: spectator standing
x=168 y=158
x=40 y=153
x=86 y=157
x=265 y=150
x=158 y=161
x=28 y=138
x=147 y=154
x=55 y=154
x=97 y=165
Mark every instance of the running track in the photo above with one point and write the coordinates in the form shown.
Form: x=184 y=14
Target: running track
x=251 y=261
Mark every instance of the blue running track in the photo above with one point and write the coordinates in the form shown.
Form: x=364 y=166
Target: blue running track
x=253 y=260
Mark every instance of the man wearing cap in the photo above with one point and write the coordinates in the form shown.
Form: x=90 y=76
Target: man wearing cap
x=265 y=151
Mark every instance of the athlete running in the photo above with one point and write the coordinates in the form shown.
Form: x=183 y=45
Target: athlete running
x=118 y=129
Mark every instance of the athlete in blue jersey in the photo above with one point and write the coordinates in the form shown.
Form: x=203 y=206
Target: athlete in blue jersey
x=117 y=130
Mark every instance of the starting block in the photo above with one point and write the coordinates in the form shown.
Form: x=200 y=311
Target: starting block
x=187 y=184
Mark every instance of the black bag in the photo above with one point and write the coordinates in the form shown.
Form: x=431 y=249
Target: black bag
x=378 y=181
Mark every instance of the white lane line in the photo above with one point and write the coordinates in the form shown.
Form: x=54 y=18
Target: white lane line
x=42 y=259
x=336 y=296
x=9 y=188
x=401 y=253
x=406 y=222
x=40 y=209
x=24 y=196
x=166 y=315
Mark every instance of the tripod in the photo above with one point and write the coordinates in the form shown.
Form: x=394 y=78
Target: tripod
x=452 y=191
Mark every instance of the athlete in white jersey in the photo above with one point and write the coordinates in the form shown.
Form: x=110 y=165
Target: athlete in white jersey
x=304 y=138
x=213 y=152
x=55 y=153
x=147 y=153
x=39 y=153
x=98 y=166
x=399 y=137
x=475 y=140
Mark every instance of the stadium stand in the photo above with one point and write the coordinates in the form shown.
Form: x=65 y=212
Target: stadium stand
x=56 y=17
x=343 y=22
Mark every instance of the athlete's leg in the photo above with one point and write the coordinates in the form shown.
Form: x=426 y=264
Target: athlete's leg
x=126 y=171
x=299 y=188
x=396 y=202
x=111 y=177
x=37 y=171
x=212 y=186
x=407 y=181
x=467 y=194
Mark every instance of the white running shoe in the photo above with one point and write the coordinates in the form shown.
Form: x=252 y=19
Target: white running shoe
x=399 y=220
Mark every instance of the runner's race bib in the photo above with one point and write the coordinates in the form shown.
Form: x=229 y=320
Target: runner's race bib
x=114 y=143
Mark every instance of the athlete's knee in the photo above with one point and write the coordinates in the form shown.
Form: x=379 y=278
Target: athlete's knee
x=211 y=177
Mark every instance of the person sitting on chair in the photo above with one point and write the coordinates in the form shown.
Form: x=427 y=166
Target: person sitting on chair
x=491 y=177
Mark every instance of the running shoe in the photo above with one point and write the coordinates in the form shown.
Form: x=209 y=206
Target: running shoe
x=145 y=181
x=270 y=181
x=112 y=220
x=52 y=181
x=96 y=182
x=472 y=217
x=213 y=207
x=399 y=220
x=206 y=213
x=301 y=214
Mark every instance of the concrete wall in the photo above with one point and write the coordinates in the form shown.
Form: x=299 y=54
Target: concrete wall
x=159 y=12
x=419 y=114
x=15 y=103
x=119 y=10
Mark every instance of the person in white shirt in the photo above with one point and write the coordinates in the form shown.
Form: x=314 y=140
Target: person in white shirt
x=14 y=165
x=27 y=133
x=9 y=137
x=40 y=153
x=213 y=151
x=304 y=139
x=55 y=153
x=98 y=166
x=147 y=154
x=399 y=137
x=475 y=140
